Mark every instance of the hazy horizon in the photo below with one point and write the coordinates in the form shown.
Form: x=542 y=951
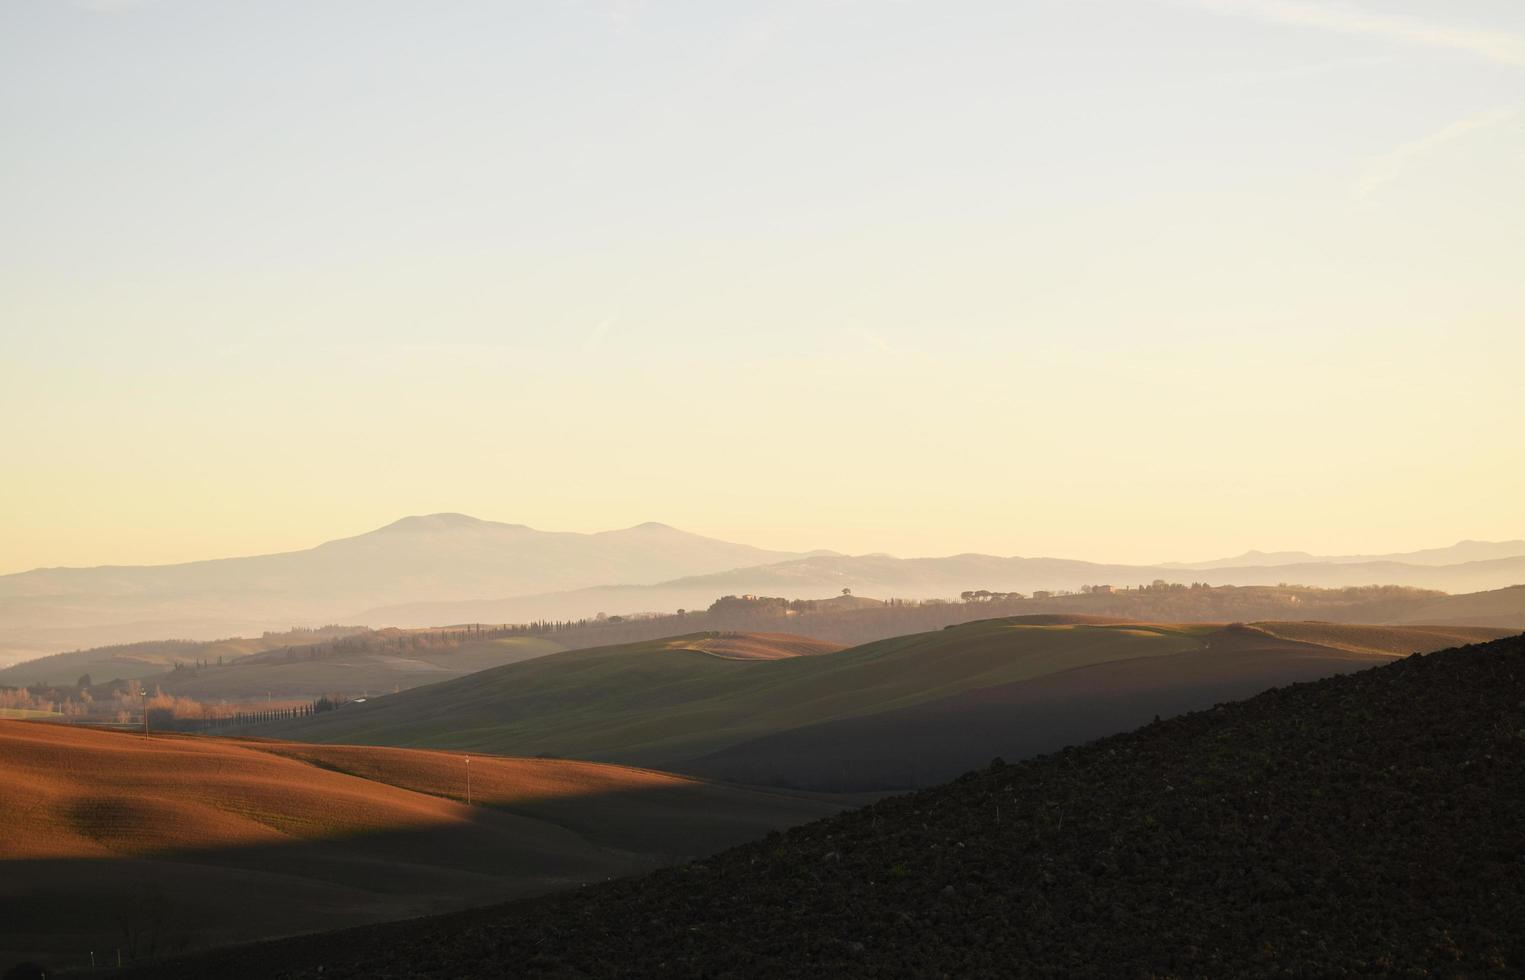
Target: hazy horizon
x=1183 y=561
x=623 y=458
x=1119 y=281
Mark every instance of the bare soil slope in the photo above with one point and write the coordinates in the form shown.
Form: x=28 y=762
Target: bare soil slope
x=116 y=842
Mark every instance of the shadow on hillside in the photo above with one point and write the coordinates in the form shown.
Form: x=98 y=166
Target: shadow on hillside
x=930 y=743
x=61 y=912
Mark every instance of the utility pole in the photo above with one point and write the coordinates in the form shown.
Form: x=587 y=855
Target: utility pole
x=468 y=780
x=145 y=714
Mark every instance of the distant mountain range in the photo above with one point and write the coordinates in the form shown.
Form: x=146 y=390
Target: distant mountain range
x=432 y=557
x=439 y=557
x=1461 y=551
x=451 y=568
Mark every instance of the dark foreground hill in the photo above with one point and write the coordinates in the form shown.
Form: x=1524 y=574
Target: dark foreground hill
x=1368 y=824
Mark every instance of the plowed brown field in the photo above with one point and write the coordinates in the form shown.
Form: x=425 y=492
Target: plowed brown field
x=116 y=842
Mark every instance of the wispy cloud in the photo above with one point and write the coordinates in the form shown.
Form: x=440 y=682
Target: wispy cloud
x=1316 y=69
x=1497 y=46
x=600 y=332
x=616 y=304
x=1389 y=166
x=623 y=13
x=881 y=343
x=1263 y=76
x=112 y=6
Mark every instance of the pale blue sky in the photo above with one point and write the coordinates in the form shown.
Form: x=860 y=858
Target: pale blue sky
x=1118 y=279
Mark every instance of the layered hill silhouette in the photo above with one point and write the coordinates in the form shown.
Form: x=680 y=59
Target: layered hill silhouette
x=116 y=842
x=1498 y=607
x=1458 y=553
x=915 y=578
x=442 y=569
x=354 y=662
x=151 y=658
x=370 y=669
x=433 y=557
x=1364 y=824
x=890 y=714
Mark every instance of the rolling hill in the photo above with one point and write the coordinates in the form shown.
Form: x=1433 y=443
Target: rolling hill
x=1367 y=824
x=670 y=705
x=929 y=742
x=664 y=702
x=149 y=845
x=1499 y=607
x=374 y=669
x=311 y=664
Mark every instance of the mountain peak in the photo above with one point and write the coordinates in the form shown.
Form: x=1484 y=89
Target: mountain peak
x=435 y=522
x=648 y=528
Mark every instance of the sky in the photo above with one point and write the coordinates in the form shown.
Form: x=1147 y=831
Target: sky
x=1122 y=280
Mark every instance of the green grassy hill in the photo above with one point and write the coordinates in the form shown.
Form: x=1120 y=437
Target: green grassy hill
x=931 y=741
x=670 y=704
x=664 y=702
